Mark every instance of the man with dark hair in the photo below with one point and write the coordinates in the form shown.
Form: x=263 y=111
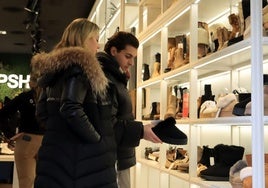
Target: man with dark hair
x=118 y=56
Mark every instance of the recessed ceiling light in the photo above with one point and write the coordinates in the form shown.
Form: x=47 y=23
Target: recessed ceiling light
x=3 y=32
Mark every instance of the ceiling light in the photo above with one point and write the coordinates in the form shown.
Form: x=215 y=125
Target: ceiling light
x=3 y=32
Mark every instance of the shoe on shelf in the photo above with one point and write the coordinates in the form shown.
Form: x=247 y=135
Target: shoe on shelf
x=234 y=174
x=167 y=131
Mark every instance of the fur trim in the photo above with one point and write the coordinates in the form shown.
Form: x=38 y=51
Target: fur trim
x=245 y=172
x=65 y=57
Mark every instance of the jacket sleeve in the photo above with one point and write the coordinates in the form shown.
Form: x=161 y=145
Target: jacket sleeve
x=41 y=108
x=127 y=132
x=72 y=98
x=11 y=107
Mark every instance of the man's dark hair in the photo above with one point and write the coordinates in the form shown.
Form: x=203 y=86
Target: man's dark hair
x=120 y=40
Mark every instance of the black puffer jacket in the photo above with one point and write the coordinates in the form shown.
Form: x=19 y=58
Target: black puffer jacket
x=128 y=132
x=78 y=148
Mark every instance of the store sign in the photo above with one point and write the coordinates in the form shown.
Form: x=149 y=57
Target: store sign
x=15 y=81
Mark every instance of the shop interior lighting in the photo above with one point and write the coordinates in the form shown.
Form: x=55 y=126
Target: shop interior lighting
x=134 y=24
x=222 y=57
x=113 y=18
x=102 y=33
x=3 y=32
x=214 y=76
x=150 y=37
x=212 y=21
x=149 y=84
x=179 y=15
x=175 y=75
x=93 y=16
x=197 y=1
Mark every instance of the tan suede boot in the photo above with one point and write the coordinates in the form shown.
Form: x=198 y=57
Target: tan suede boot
x=171 y=53
x=156 y=69
x=234 y=21
x=172 y=105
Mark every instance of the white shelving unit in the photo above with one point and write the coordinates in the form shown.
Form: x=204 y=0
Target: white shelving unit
x=239 y=65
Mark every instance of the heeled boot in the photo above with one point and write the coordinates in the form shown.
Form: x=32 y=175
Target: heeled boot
x=156 y=65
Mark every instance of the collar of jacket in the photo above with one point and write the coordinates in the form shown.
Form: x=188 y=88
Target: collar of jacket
x=61 y=59
x=110 y=65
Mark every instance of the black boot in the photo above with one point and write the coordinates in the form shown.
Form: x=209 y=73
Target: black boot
x=146 y=72
x=153 y=112
x=206 y=97
x=207 y=154
x=225 y=157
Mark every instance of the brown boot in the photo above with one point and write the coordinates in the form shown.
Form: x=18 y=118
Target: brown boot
x=156 y=69
x=179 y=61
x=171 y=53
x=234 y=21
x=171 y=109
x=223 y=37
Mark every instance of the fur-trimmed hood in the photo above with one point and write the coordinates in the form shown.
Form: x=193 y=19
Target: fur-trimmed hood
x=61 y=59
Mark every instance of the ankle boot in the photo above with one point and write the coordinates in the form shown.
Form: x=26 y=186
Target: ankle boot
x=172 y=105
x=206 y=97
x=225 y=157
x=157 y=115
x=207 y=154
x=178 y=60
x=214 y=36
x=156 y=65
x=171 y=53
x=234 y=21
x=146 y=72
x=154 y=112
x=203 y=39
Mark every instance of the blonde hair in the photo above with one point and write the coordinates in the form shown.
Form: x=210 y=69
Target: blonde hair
x=76 y=33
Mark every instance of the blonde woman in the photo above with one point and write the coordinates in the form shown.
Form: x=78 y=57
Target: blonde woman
x=79 y=148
